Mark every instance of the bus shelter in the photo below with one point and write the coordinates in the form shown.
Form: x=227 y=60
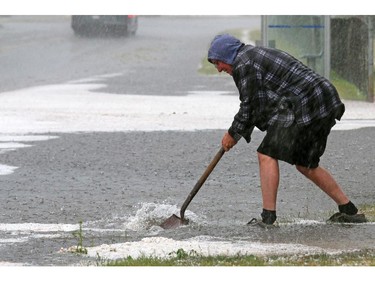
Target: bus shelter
x=342 y=45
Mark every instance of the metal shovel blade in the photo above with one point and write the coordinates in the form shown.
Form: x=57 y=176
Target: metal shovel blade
x=174 y=222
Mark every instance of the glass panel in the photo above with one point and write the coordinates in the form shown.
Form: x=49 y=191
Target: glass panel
x=301 y=36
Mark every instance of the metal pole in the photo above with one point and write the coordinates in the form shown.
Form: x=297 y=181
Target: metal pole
x=370 y=94
x=264 y=31
x=327 y=46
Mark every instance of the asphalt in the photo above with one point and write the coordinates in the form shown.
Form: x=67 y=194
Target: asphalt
x=103 y=179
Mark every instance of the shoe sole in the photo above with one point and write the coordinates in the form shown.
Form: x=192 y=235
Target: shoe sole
x=344 y=218
x=255 y=222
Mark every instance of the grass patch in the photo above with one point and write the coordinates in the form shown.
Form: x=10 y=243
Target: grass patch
x=207 y=68
x=357 y=258
x=346 y=89
x=369 y=211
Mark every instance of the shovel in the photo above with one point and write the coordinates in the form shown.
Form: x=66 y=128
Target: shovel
x=175 y=221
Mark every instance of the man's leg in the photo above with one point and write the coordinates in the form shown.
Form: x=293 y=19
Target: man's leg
x=324 y=180
x=269 y=181
x=348 y=212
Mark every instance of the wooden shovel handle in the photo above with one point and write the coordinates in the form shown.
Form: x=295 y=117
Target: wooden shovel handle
x=201 y=181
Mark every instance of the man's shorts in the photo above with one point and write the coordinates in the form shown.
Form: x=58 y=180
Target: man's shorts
x=297 y=145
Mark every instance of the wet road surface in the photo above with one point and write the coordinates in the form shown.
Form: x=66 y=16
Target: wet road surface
x=122 y=196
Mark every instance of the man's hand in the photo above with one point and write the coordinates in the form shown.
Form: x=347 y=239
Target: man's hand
x=228 y=142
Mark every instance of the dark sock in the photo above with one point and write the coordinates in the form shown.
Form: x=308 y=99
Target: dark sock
x=268 y=217
x=348 y=209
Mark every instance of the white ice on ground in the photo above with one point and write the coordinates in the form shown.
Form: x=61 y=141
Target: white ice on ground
x=13 y=142
x=83 y=107
x=76 y=108
x=24 y=138
x=37 y=227
x=6 y=170
x=160 y=247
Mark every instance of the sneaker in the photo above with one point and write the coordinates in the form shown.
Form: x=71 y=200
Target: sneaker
x=344 y=218
x=259 y=223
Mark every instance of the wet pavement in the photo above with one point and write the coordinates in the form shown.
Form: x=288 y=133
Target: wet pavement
x=122 y=195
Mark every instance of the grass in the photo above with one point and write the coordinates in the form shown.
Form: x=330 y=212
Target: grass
x=346 y=89
x=369 y=211
x=80 y=249
x=357 y=258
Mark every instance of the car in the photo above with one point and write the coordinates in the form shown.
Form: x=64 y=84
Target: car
x=104 y=25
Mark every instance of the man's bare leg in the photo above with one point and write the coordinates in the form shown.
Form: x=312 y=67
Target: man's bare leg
x=269 y=180
x=324 y=180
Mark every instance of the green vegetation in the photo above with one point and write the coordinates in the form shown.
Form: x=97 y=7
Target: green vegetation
x=369 y=211
x=346 y=89
x=357 y=258
x=80 y=249
x=207 y=68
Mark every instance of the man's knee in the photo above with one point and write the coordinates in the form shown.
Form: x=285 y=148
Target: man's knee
x=306 y=171
x=263 y=158
x=303 y=170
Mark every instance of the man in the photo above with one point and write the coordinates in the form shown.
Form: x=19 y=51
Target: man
x=296 y=106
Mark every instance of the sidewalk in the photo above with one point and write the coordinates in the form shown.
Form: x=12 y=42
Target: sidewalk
x=359 y=110
x=357 y=115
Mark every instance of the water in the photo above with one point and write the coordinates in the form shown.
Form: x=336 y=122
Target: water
x=231 y=238
x=139 y=235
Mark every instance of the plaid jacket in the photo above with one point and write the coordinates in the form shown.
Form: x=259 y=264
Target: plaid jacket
x=277 y=89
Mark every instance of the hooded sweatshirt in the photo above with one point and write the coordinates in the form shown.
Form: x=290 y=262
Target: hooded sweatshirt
x=224 y=48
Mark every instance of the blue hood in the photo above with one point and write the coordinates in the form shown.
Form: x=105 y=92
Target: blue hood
x=224 y=48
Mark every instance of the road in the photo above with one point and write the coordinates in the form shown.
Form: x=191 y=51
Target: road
x=115 y=131
x=43 y=50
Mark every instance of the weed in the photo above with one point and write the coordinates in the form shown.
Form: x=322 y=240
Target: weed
x=181 y=254
x=369 y=211
x=79 y=235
